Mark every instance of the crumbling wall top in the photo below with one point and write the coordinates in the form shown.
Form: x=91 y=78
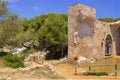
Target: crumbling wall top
x=84 y=10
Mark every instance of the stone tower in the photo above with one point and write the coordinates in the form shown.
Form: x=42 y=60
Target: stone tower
x=89 y=37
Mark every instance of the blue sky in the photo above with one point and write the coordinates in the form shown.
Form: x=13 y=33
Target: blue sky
x=31 y=8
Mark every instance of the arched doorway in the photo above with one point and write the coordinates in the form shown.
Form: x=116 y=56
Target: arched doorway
x=108 y=45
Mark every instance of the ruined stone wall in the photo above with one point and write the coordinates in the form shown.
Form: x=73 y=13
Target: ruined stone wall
x=86 y=35
x=102 y=29
x=80 y=39
x=115 y=30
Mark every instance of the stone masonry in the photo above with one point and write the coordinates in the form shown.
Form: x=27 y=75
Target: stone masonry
x=89 y=37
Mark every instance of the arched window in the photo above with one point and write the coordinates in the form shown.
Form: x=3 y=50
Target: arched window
x=108 y=44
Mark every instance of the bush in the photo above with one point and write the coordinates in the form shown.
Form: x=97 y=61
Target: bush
x=118 y=68
x=3 y=54
x=13 y=61
x=3 y=79
x=95 y=73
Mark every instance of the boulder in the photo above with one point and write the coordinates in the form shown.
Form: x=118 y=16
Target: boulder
x=82 y=60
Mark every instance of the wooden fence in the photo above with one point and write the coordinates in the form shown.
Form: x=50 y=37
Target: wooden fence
x=102 y=65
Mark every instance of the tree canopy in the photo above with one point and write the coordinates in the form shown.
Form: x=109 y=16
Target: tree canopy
x=3 y=10
x=9 y=28
x=47 y=32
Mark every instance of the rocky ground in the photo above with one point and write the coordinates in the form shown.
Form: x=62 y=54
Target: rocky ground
x=33 y=71
x=49 y=70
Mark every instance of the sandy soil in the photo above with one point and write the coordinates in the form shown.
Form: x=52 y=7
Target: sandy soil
x=63 y=69
x=68 y=70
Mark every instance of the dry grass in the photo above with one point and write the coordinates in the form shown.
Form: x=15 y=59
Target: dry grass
x=43 y=74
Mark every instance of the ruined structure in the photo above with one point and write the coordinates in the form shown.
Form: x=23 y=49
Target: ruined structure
x=89 y=37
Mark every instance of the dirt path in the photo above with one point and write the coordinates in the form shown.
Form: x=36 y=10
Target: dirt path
x=67 y=70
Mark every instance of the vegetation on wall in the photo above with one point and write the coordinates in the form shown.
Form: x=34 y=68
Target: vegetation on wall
x=109 y=19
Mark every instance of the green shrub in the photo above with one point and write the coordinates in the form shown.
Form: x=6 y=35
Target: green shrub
x=95 y=73
x=3 y=79
x=118 y=68
x=3 y=54
x=13 y=61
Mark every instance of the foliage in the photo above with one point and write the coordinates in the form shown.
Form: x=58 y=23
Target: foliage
x=3 y=79
x=13 y=61
x=9 y=26
x=8 y=30
x=109 y=19
x=52 y=35
x=48 y=75
x=2 y=54
x=48 y=30
x=95 y=73
x=3 y=9
x=118 y=68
